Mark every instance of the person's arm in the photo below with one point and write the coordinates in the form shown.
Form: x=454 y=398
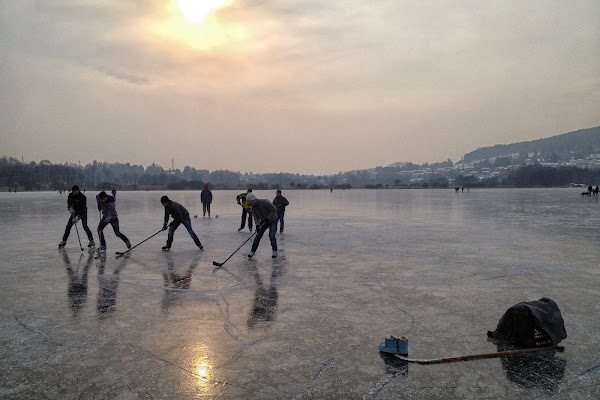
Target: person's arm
x=256 y=218
x=285 y=202
x=166 y=218
x=70 y=204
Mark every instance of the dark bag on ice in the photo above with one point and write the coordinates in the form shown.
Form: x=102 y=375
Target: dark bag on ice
x=531 y=324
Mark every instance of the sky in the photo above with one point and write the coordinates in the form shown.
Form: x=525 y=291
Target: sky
x=310 y=87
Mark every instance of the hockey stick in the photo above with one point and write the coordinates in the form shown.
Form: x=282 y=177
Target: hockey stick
x=221 y=264
x=120 y=253
x=77 y=230
x=475 y=356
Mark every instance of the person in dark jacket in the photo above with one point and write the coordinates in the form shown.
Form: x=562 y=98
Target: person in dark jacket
x=106 y=204
x=206 y=200
x=280 y=202
x=76 y=204
x=246 y=210
x=265 y=217
x=180 y=216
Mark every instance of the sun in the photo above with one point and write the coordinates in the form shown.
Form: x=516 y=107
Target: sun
x=196 y=11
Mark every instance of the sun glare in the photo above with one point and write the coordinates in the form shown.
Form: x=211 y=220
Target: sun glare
x=193 y=25
x=196 y=11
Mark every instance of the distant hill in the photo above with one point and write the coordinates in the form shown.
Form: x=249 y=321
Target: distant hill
x=577 y=144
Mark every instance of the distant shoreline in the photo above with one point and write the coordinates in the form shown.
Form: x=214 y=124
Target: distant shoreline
x=243 y=189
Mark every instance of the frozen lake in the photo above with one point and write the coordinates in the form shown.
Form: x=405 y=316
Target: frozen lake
x=355 y=266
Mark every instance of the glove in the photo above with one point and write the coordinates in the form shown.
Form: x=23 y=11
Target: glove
x=164 y=228
x=71 y=210
x=76 y=219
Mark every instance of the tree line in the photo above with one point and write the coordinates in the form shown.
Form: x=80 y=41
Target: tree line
x=44 y=175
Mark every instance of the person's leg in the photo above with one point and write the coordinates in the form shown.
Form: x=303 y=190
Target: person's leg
x=188 y=225
x=68 y=229
x=208 y=208
x=250 y=220
x=174 y=225
x=101 y=226
x=203 y=209
x=244 y=213
x=281 y=221
x=115 y=225
x=272 y=230
x=86 y=227
x=259 y=234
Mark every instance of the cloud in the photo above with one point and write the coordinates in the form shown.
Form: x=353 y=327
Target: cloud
x=352 y=84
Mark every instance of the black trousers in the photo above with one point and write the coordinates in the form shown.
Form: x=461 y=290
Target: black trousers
x=83 y=218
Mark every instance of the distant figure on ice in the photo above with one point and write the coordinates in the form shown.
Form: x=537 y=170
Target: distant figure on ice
x=246 y=209
x=106 y=204
x=596 y=189
x=180 y=216
x=76 y=204
x=280 y=202
x=114 y=193
x=206 y=199
x=590 y=190
x=265 y=217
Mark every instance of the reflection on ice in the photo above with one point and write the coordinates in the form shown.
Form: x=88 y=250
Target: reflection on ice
x=78 y=280
x=108 y=283
x=541 y=370
x=264 y=307
x=174 y=281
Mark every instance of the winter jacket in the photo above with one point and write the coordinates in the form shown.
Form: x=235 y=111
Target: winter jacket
x=78 y=203
x=264 y=211
x=177 y=211
x=241 y=200
x=109 y=212
x=206 y=196
x=280 y=202
x=518 y=323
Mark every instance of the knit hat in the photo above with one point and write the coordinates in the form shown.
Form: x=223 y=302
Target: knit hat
x=75 y=187
x=250 y=197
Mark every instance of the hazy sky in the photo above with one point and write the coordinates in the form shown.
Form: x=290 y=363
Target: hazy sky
x=292 y=86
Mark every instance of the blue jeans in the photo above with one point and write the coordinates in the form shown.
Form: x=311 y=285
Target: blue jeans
x=115 y=225
x=280 y=218
x=259 y=234
x=188 y=225
x=83 y=222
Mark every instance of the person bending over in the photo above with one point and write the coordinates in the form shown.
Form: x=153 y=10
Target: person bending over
x=106 y=204
x=180 y=216
x=265 y=217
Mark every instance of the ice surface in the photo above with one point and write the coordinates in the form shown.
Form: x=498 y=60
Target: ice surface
x=354 y=267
